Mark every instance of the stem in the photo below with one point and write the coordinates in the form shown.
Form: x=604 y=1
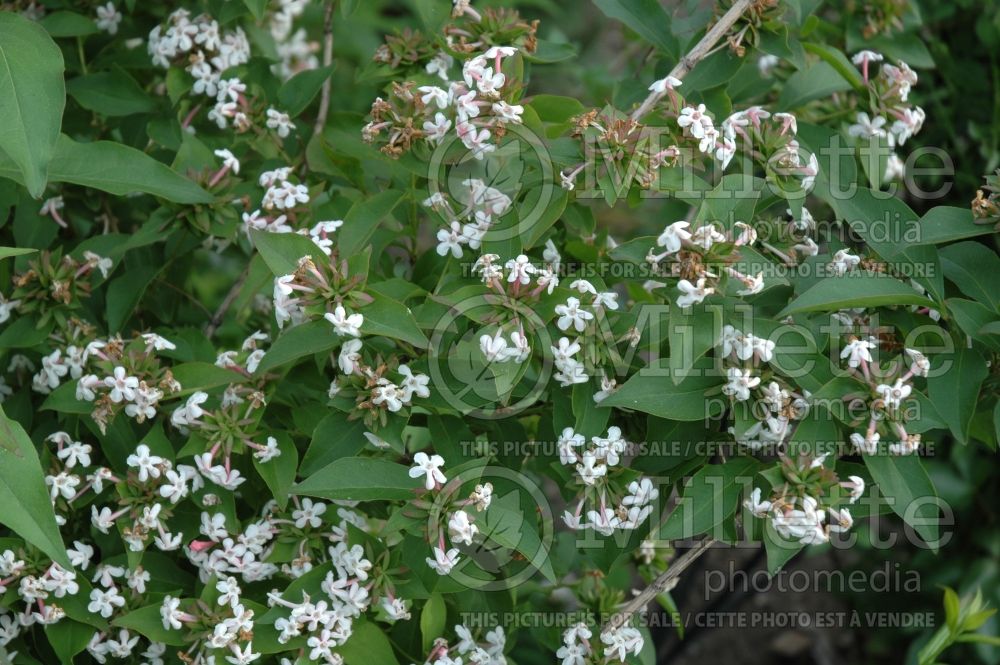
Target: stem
x=324 y=101
x=227 y=302
x=660 y=584
x=700 y=50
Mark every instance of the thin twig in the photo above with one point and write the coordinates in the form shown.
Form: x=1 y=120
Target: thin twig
x=700 y=50
x=324 y=100
x=227 y=302
x=659 y=585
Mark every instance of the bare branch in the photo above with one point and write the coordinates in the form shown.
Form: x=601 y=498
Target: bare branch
x=324 y=100
x=700 y=50
x=227 y=302
x=659 y=585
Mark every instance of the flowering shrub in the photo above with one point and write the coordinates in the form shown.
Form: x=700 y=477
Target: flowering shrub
x=288 y=383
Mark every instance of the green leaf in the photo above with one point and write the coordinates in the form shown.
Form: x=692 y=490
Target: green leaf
x=256 y=7
x=279 y=473
x=646 y=17
x=909 y=491
x=855 y=290
x=68 y=638
x=709 y=498
x=7 y=252
x=147 y=622
x=196 y=376
x=114 y=168
x=653 y=391
x=391 y=318
x=362 y=220
x=27 y=509
x=282 y=251
x=953 y=386
x=691 y=333
x=432 y=620
x=335 y=437
x=112 y=93
x=947 y=223
x=32 y=98
x=779 y=550
x=838 y=61
x=297 y=92
x=819 y=80
x=504 y=523
x=125 y=292
x=951 y=608
x=367 y=645
x=975 y=270
x=359 y=479
x=68 y=24
x=298 y=342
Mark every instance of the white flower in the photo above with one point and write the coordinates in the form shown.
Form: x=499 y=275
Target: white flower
x=451 y=240
x=344 y=323
x=571 y=314
x=122 y=385
x=430 y=468
x=105 y=601
x=840 y=520
x=692 y=294
x=895 y=168
x=490 y=82
x=389 y=394
x=590 y=469
x=349 y=359
x=641 y=492
x=108 y=18
x=694 y=120
x=752 y=286
x=920 y=366
x=494 y=348
x=909 y=122
x=461 y=529
x=756 y=506
x=228 y=160
x=858 y=351
x=520 y=270
x=147 y=464
x=894 y=395
x=618 y=643
x=440 y=64
x=435 y=130
x=866 y=56
x=280 y=122
x=413 y=384
x=866 y=127
x=567 y=444
x=866 y=444
x=434 y=95
x=741 y=381
x=856 y=486
x=508 y=112
x=269 y=451
x=310 y=513
x=902 y=78
x=662 y=85
x=843 y=261
x=443 y=562
x=706 y=236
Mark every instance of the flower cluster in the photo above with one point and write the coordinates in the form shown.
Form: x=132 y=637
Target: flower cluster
x=809 y=504
x=474 y=210
x=890 y=91
x=479 y=107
